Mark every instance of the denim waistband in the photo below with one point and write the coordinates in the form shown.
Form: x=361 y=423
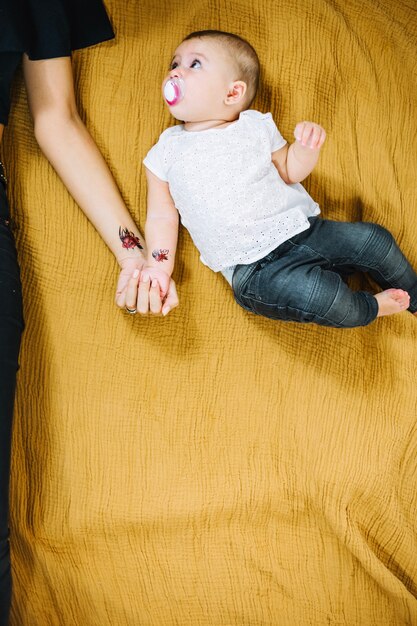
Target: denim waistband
x=243 y=273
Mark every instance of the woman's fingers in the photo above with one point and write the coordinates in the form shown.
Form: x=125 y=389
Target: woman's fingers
x=144 y=296
x=131 y=293
x=121 y=298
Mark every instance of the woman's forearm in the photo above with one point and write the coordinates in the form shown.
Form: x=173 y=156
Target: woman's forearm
x=77 y=160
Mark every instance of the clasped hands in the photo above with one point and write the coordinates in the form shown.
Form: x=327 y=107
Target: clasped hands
x=145 y=290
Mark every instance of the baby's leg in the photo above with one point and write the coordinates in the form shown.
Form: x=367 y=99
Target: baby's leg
x=296 y=286
x=300 y=281
x=388 y=266
x=369 y=248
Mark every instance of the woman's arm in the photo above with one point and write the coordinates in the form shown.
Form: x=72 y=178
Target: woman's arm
x=69 y=147
x=72 y=152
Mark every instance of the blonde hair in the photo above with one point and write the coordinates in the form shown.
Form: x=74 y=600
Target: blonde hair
x=242 y=53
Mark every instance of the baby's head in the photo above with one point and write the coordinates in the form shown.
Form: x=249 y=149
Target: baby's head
x=218 y=76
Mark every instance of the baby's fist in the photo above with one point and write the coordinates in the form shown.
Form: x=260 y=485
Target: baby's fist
x=310 y=135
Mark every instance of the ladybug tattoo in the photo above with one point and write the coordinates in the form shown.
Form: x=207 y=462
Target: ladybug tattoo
x=129 y=239
x=160 y=255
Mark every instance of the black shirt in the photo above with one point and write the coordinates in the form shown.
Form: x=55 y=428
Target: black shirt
x=47 y=29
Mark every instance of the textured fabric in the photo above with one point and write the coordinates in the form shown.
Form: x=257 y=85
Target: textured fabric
x=227 y=190
x=46 y=29
x=213 y=468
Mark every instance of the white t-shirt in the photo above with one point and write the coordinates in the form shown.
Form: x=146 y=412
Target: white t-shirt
x=228 y=192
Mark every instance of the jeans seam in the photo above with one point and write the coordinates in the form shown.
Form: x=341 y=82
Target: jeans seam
x=240 y=286
x=368 y=266
x=317 y=317
x=307 y=247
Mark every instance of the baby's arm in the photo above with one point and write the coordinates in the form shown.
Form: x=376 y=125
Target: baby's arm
x=161 y=233
x=294 y=163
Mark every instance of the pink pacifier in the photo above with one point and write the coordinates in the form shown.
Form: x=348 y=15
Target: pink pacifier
x=174 y=90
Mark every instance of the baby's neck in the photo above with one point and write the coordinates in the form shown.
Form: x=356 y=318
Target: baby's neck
x=208 y=124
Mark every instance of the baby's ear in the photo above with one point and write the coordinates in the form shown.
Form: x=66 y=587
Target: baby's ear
x=236 y=93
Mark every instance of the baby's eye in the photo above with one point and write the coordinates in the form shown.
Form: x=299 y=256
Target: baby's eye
x=195 y=64
x=173 y=65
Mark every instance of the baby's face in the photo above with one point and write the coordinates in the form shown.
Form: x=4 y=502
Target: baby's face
x=207 y=72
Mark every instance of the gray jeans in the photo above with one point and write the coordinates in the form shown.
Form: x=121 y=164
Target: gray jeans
x=304 y=279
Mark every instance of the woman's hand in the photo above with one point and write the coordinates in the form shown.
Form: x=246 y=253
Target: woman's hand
x=143 y=296
x=128 y=266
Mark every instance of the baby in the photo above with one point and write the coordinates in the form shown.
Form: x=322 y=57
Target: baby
x=235 y=182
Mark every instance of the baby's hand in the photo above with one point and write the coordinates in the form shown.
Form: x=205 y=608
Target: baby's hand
x=158 y=275
x=310 y=135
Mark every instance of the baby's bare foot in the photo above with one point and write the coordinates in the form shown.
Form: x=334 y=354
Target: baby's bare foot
x=392 y=301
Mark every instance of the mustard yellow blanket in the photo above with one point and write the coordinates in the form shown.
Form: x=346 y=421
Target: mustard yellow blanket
x=214 y=468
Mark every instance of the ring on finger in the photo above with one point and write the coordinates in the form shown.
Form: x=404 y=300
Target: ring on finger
x=131 y=311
